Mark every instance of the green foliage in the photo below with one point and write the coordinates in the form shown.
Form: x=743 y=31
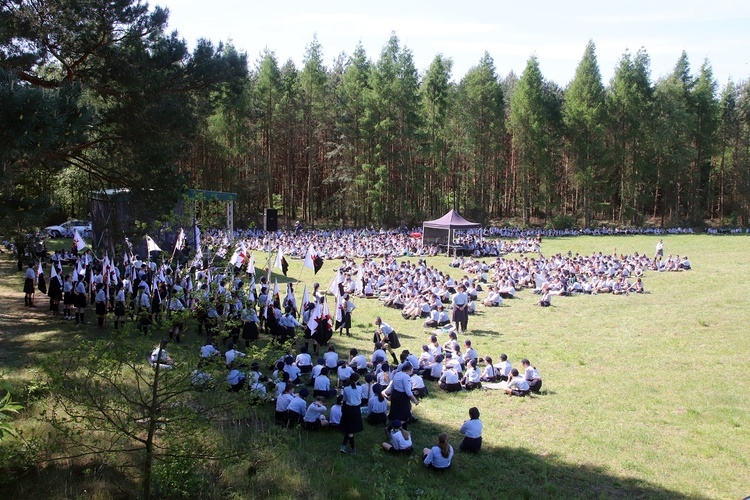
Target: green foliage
x=562 y=222
x=8 y=407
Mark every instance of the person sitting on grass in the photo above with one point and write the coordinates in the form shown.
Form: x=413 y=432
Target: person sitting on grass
x=377 y=408
x=435 y=370
x=489 y=374
x=334 y=416
x=449 y=380
x=471 y=379
x=159 y=356
x=503 y=368
x=315 y=415
x=517 y=385
x=297 y=409
x=493 y=298
x=401 y=442
x=282 y=404
x=322 y=385
x=472 y=431
x=417 y=385
x=546 y=299
x=531 y=374
x=438 y=458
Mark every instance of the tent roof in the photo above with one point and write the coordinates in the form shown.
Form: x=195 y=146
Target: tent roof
x=451 y=220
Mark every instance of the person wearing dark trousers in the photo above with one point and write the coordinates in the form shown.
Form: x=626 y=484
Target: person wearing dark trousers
x=472 y=431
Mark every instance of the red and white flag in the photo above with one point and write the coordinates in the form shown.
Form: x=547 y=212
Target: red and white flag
x=78 y=240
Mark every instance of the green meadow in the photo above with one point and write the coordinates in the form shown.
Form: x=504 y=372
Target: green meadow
x=644 y=396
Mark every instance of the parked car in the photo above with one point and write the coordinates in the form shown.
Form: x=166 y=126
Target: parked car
x=66 y=229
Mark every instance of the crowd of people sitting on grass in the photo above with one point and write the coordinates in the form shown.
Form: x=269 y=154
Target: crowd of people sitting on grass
x=147 y=292
x=343 y=391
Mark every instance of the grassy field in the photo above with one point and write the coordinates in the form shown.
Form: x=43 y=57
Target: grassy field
x=644 y=395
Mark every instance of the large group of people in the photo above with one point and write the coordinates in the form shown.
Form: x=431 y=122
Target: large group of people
x=344 y=391
x=314 y=386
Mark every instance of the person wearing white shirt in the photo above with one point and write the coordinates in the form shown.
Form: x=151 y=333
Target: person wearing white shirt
x=443 y=317
x=471 y=353
x=334 y=416
x=283 y=402
x=159 y=356
x=472 y=431
x=449 y=380
x=297 y=408
x=377 y=406
x=343 y=373
x=387 y=337
x=489 y=374
x=29 y=285
x=400 y=439
x=303 y=360
x=351 y=418
x=471 y=379
x=432 y=322
x=317 y=369
x=378 y=355
x=357 y=361
x=435 y=347
x=493 y=298
x=366 y=389
x=425 y=359
x=417 y=386
x=292 y=369
x=400 y=394
x=517 y=385
x=232 y=354
x=531 y=374
x=101 y=305
x=435 y=370
x=314 y=417
x=322 y=385
x=503 y=368
x=175 y=307
x=460 y=312
x=236 y=380
x=438 y=457
x=209 y=349
x=331 y=357
x=346 y=307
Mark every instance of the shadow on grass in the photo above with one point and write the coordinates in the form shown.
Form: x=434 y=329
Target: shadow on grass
x=496 y=472
x=71 y=481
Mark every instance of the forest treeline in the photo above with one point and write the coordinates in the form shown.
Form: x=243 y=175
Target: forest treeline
x=97 y=94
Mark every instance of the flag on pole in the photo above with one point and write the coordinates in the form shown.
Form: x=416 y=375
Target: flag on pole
x=313 y=260
x=151 y=245
x=305 y=298
x=281 y=262
x=237 y=257
x=289 y=299
x=198 y=259
x=53 y=273
x=340 y=305
x=78 y=240
x=334 y=286
x=39 y=270
x=327 y=315
x=359 y=285
x=251 y=266
x=312 y=323
x=180 y=243
x=197 y=234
